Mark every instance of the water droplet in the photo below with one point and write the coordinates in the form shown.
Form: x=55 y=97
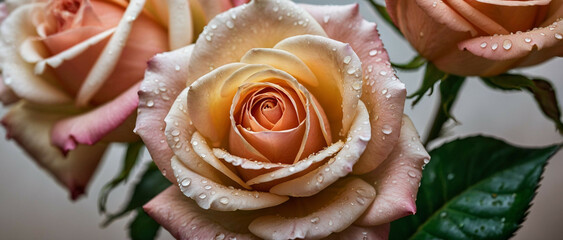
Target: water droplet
x=276 y=9
x=357 y=85
x=315 y=220
x=426 y=160
x=383 y=73
x=224 y=200
x=386 y=129
x=186 y=182
x=175 y=132
x=507 y=44
x=483 y=45
x=326 y=19
x=150 y=103
x=230 y=24
x=320 y=178
x=434 y=4
x=213 y=26
x=219 y=236
x=373 y=53
x=360 y=201
x=411 y=174
x=450 y=176
x=443 y=214
x=330 y=223
x=558 y=36
x=291 y=169
x=207 y=187
x=494 y=46
x=351 y=70
x=528 y=40
x=202 y=196
x=347 y=59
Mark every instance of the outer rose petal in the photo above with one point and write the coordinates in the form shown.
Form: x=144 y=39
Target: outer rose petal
x=90 y=127
x=31 y=128
x=332 y=210
x=162 y=82
x=396 y=180
x=185 y=220
x=232 y=37
x=383 y=94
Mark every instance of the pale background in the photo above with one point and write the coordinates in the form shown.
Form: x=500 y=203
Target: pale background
x=33 y=206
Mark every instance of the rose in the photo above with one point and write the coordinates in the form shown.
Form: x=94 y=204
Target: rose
x=481 y=37
x=73 y=66
x=268 y=84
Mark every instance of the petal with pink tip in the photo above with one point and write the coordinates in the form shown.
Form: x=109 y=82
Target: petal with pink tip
x=17 y=73
x=383 y=94
x=541 y=43
x=397 y=179
x=92 y=126
x=332 y=210
x=338 y=167
x=185 y=220
x=217 y=196
x=238 y=31
x=30 y=126
x=155 y=96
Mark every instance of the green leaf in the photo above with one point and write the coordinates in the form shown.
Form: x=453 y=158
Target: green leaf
x=152 y=183
x=414 y=63
x=431 y=77
x=143 y=227
x=131 y=156
x=541 y=89
x=382 y=11
x=545 y=96
x=475 y=188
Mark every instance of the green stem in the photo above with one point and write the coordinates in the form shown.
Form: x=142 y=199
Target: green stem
x=449 y=89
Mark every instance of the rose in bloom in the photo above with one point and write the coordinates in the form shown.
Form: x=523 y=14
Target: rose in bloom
x=288 y=123
x=481 y=37
x=73 y=69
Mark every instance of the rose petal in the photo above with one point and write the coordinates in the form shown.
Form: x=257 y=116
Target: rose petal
x=202 y=149
x=383 y=94
x=107 y=60
x=184 y=219
x=180 y=28
x=379 y=232
x=178 y=135
x=282 y=60
x=541 y=43
x=216 y=196
x=217 y=47
x=332 y=210
x=92 y=126
x=154 y=102
x=17 y=73
x=208 y=108
x=30 y=126
x=340 y=166
x=271 y=178
x=340 y=74
x=397 y=179
x=513 y=15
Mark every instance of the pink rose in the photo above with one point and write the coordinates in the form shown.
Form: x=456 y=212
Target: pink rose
x=281 y=122
x=74 y=66
x=481 y=37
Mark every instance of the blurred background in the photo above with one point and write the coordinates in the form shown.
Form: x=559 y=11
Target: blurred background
x=34 y=206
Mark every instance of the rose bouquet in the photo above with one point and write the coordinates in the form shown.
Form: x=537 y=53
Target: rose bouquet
x=276 y=120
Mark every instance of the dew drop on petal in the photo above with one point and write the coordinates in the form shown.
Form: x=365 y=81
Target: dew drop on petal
x=347 y=59
x=373 y=53
x=494 y=46
x=186 y=182
x=150 y=103
x=386 y=129
x=507 y=44
x=528 y=40
x=224 y=200
x=483 y=45
x=558 y=36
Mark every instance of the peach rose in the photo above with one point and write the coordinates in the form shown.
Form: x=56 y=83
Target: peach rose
x=287 y=122
x=481 y=37
x=74 y=66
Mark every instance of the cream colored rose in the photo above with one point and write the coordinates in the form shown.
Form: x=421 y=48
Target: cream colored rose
x=282 y=125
